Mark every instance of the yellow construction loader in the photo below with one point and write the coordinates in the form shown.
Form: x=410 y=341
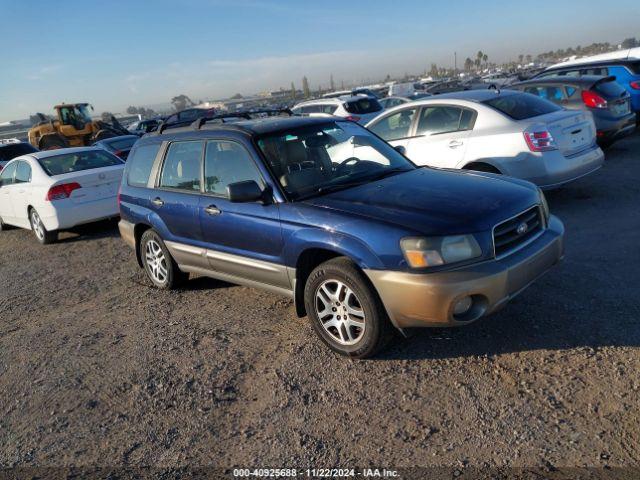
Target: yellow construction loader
x=73 y=128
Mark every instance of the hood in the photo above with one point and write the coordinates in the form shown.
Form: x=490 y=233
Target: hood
x=435 y=202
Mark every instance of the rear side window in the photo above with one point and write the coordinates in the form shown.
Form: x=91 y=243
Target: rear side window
x=23 y=173
x=181 y=168
x=595 y=71
x=363 y=106
x=76 y=162
x=610 y=89
x=522 y=106
x=6 y=177
x=14 y=150
x=140 y=163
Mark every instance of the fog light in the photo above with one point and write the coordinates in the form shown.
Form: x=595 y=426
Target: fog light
x=462 y=306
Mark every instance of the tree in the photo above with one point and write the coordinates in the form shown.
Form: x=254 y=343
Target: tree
x=520 y=58
x=305 y=88
x=181 y=102
x=468 y=64
x=237 y=96
x=331 y=84
x=479 y=56
x=485 y=59
x=433 y=72
x=529 y=58
x=293 y=91
x=630 y=43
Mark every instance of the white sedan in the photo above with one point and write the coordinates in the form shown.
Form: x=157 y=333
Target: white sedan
x=59 y=189
x=507 y=132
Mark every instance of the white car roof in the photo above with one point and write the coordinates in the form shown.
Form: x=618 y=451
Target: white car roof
x=628 y=54
x=334 y=100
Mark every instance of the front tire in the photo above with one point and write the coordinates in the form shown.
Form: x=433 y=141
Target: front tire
x=345 y=310
x=43 y=235
x=158 y=263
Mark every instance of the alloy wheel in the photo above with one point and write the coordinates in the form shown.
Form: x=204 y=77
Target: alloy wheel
x=36 y=225
x=340 y=312
x=156 y=262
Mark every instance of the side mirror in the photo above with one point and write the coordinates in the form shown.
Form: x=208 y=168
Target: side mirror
x=245 y=192
x=400 y=149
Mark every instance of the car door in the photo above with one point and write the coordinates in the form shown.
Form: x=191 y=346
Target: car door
x=6 y=190
x=395 y=128
x=242 y=239
x=20 y=193
x=176 y=198
x=441 y=135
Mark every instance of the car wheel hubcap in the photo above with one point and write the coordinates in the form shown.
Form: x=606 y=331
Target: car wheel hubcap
x=340 y=312
x=156 y=261
x=37 y=226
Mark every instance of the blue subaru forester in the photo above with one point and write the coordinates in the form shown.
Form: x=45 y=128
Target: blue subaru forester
x=324 y=211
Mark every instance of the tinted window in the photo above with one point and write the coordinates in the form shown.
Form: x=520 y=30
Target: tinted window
x=6 y=177
x=570 y=91
x=329 y=109
x=595 y=71
x=23 y=173
x=188 y=115
x=181 y=167
x=76 y=162
x=438 y=119
x=122 y=144
x=140 y=163
x=394 y=126
x=634 y=67
x=363 y=105
x=521 y=106
x=551 y=93
x=610 y=89
x=14 y=150
x=225 y=163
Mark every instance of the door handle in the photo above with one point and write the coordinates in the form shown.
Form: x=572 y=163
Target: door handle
x=157 y=202
x=455 y=144
x=213 y=210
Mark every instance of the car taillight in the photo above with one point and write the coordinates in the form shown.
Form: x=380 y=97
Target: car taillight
x=353 y=118
x=60 y=192
x=540 y=141
x=593 y=100
x=635 y=85
x=1 y=167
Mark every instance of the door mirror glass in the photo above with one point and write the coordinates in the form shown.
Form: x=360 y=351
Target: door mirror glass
x=400 y=149
x=244 y=192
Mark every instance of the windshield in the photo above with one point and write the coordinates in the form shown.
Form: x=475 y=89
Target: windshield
x=84 y=113
x=75 y=162
x=317 y=159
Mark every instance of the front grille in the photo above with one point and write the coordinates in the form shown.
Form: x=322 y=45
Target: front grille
x=511 y=235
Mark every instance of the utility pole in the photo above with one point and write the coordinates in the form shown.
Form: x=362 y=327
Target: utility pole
x=455 y=62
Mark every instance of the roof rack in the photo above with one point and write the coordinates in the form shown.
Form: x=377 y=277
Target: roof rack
x=246 y=115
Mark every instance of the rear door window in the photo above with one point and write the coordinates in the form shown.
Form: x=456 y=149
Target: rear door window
x=438 y=119
x=394 y=126
x=140 y=163
x=521 y=106
x=181 y=169
x=6 y=177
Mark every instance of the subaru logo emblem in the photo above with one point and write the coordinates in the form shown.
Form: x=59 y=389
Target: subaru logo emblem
x=522 y=228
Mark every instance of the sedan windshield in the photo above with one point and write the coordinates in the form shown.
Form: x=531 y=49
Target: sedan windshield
x=317 y=159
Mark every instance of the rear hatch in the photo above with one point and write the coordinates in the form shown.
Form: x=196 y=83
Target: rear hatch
x=572 y=130
x=618 y=99
x=96 y=184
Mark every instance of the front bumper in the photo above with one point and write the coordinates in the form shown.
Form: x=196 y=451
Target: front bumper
x=427 y=300
x=615 y=130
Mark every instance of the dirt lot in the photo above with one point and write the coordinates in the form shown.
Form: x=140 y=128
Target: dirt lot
x=99 y=369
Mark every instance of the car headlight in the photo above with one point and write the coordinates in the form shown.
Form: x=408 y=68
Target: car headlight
x=433 y=251
x=545 y=206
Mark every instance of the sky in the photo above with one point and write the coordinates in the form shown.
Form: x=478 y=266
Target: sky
x=143 y=52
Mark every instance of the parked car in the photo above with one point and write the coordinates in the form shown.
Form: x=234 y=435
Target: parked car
x=360 y=245
x=185 y=117
x=605 y=98
x=390 y=102
x=144 y=126
x=56 y=190
x=357 y=108
x=119 y=146
x=499 y=79
x=623 y=64
x=11 y=148
x=445 y=87
x=499 y=131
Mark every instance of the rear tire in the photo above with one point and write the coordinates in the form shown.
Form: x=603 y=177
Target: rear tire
x=53 y=142
x=345 y=309
x=43 y=235
x=158 y=263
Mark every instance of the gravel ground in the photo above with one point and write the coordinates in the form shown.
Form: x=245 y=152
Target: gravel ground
x=99 y=369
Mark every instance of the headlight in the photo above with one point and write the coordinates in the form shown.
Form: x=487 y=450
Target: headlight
x=434 y=251
x=545 y=206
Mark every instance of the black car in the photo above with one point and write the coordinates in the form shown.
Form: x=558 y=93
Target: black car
x=119 y=146
x=10 y=149
x=605 y=98
x=186 y=117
